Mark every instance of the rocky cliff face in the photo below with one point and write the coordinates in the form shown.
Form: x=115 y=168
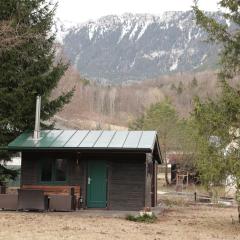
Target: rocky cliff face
x=137 y=47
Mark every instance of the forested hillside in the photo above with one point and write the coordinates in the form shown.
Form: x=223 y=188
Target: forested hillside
x=96 y=105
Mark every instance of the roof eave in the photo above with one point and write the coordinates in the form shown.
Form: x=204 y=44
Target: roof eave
x=159 y=154
x=142 y=150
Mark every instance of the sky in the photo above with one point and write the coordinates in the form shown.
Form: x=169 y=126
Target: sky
x=78 y=11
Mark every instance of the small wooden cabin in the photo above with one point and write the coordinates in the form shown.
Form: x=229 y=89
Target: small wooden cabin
x=115 y=170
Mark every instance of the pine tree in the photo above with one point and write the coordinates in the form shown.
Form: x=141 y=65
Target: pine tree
x=218 y=120
x=28 y=69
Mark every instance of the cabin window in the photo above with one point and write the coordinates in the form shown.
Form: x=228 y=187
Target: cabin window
x=61 y=169
x=46 y=175
x=54 y=170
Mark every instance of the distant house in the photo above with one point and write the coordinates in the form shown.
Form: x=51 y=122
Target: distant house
x=182 y=166
x=112 y=169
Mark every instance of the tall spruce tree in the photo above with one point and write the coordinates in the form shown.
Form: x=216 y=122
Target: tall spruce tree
x=218 y=120
x=27 y=69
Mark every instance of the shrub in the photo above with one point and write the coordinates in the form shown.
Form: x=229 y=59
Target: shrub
x=144 y=218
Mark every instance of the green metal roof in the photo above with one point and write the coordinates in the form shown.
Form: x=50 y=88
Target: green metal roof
x=85 y=139
x=144 y=141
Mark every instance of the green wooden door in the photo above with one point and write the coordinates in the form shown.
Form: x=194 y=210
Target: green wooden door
x=97 y=184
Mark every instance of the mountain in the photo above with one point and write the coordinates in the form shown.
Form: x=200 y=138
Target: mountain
x=134 y=47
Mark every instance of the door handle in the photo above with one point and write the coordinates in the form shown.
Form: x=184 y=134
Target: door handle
x=89 y=180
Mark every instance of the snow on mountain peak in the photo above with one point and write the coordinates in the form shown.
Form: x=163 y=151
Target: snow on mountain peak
x=138 y=46
x=62 y=28
x=131 y=24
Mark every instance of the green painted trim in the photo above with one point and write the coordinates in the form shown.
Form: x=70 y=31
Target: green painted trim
x=97 y=189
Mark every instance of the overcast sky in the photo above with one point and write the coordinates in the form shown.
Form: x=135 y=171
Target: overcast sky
x=81 y=11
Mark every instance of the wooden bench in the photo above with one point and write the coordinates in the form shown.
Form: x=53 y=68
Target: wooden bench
x=61 y=198
x=55 y=190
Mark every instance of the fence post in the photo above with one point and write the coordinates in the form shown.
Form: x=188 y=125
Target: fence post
x=195 y=196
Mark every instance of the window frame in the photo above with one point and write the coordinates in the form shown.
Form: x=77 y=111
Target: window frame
x=53 y=181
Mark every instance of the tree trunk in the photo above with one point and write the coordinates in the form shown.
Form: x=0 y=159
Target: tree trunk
x=165 y=157
x=238 y=198
x=166 y=172
x=238 y=213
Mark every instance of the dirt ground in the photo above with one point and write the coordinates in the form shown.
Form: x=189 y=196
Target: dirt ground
x=192 y=222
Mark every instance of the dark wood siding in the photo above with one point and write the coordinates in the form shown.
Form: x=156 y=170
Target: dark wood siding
x=126 y=179
x=129 y=175
x=154 y=184
x=29 y=169
x=149 y=172
x=31 y=162
x=30 y=172
x=127 y=184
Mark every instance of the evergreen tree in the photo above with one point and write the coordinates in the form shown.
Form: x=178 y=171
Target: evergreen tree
x=163 y=118
x=194 y=83
x=228 y=37
x=218 y=120
x=180 y=88
x=173 y=87
x=137 y=124
x=27 y=69
x=174 y=134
